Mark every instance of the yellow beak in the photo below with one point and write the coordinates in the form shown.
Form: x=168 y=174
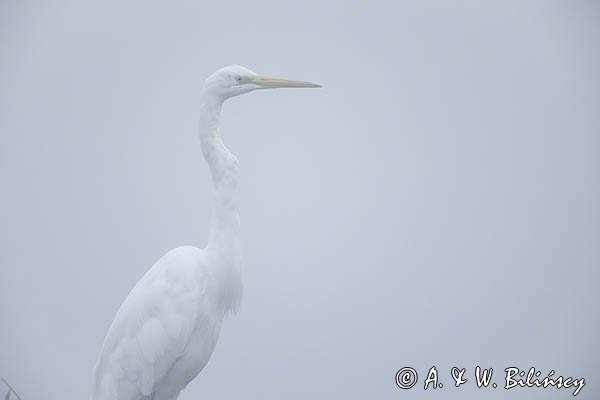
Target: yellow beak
x=268 y=82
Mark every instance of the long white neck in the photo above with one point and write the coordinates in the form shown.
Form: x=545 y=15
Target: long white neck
x=224 y=247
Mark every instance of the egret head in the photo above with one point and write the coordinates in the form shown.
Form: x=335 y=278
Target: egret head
x=235 y=80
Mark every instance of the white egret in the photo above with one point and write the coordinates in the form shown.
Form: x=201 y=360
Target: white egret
x=166 y=329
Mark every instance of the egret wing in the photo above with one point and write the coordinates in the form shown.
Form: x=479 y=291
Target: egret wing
x=152 y=327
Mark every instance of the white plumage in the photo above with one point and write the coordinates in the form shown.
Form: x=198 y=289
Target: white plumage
x=166 y=329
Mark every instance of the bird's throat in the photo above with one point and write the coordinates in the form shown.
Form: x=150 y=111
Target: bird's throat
x=224 y=238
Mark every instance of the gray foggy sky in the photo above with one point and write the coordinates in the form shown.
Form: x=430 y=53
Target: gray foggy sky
x=435 y=203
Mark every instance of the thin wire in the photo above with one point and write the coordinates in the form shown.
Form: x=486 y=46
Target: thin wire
x=11 y=388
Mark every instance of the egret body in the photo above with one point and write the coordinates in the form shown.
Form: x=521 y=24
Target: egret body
x=166 y=329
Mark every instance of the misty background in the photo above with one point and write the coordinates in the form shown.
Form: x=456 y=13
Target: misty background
x=435 y=203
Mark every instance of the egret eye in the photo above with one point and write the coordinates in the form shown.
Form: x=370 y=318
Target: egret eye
x=238 y=78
